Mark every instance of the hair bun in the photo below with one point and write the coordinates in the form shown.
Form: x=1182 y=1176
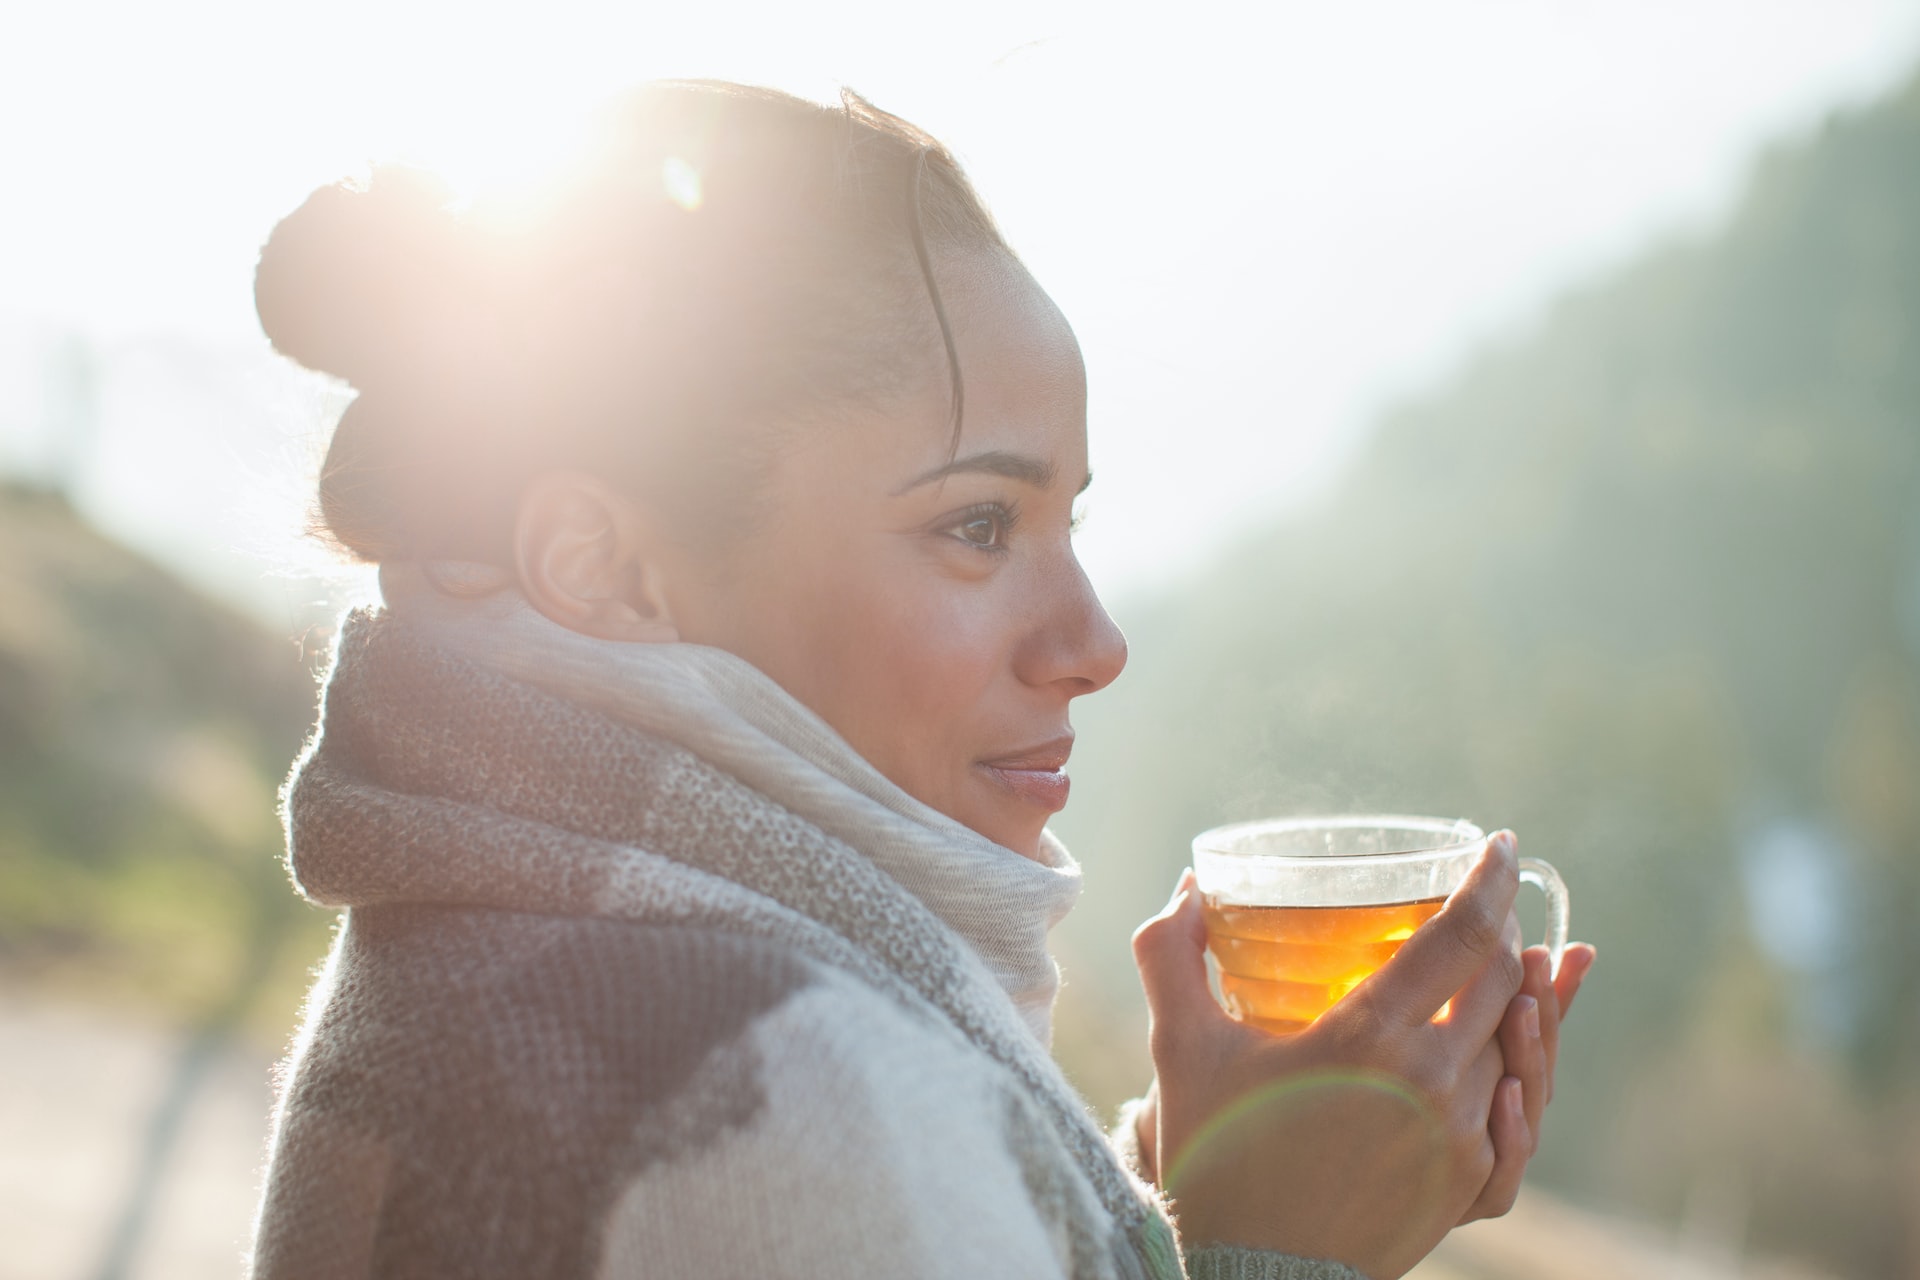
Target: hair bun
x=351 y=281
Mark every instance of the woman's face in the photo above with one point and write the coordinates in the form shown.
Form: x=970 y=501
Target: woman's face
x=926 y=602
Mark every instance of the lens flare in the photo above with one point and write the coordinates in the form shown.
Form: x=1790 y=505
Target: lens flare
x=682 y=182
x=1303 y=1095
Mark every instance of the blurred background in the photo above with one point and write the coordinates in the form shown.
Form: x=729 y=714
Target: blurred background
x=1499 y=410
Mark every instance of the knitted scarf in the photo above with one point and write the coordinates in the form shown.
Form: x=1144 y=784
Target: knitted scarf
x=626 y=929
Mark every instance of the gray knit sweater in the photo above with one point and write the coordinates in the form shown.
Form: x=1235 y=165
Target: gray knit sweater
x=644 y=973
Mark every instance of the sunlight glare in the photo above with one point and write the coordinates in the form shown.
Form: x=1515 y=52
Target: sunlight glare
x=682 y=181
x=502 y=159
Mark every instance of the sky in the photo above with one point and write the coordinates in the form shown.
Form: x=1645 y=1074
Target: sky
x=1266 y=223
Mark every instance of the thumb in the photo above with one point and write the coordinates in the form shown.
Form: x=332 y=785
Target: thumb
x=1170 y=952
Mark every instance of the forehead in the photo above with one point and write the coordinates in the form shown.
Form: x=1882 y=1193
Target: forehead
x=1020 y=364
x=1023 y=385
x=1024 y=390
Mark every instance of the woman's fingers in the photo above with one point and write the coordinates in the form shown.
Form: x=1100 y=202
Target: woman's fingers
x=1529 y=1050
x=1539 y=985
x=1479 y=1007
x=1524 y=1053
x=1554 y=995
x=1483 y=1138
x=1467 y=936
x=1170 y=952
x=1512 y=1148
x=1576 y=962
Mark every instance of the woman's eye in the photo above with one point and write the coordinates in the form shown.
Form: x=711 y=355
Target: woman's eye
x=985 y=528
x=981 y=531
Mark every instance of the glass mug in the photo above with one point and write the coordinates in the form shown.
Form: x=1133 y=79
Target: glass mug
x=1300 y=910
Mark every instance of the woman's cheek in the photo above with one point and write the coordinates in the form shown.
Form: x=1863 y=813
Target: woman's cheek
x=950 y=638
x=888 y=657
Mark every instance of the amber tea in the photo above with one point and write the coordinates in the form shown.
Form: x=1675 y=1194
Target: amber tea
x=1300 y=910
x=1282 y=967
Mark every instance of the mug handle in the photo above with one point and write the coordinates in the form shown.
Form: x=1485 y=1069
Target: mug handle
x=1543 y=877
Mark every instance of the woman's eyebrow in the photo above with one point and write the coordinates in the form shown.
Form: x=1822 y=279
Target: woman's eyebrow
x=995 y=462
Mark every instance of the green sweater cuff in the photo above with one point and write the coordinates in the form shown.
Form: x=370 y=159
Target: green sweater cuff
x=1227 y=1262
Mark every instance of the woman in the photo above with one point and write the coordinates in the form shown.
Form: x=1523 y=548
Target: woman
x=688 y=793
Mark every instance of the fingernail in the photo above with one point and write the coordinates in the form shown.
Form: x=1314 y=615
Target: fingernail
x=1516 y=1098
x=1530 y=1016
x=1505 y=840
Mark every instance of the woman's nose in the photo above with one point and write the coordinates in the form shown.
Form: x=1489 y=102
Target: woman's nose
x=1076 y=642
x=1107 y=654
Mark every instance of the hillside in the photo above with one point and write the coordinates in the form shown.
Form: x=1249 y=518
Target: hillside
x=143 y=731
x=1644 y=584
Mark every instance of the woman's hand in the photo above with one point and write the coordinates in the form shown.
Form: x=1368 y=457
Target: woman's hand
x=1368 y=1136
x=1530 y=1044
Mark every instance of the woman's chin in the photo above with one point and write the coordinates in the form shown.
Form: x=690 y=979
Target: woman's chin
x=1013 y=827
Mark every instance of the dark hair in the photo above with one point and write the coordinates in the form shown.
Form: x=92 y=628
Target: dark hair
x=724 y=258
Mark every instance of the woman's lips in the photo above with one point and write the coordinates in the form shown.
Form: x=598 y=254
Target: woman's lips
x=1038 y=776
x=1044 y=787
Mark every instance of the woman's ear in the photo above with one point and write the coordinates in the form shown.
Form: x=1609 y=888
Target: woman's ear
x=592 y=560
